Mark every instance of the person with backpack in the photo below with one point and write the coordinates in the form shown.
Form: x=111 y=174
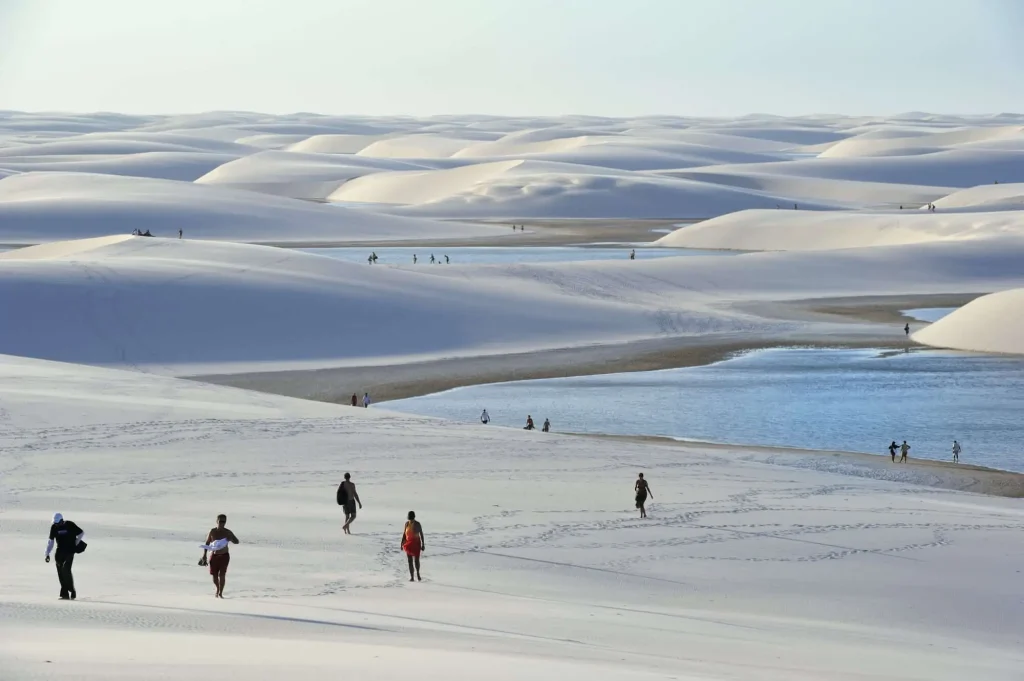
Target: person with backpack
x=67 y=536
x=348 y=497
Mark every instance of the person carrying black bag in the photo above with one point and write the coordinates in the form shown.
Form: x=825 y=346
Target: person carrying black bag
x=68 y=538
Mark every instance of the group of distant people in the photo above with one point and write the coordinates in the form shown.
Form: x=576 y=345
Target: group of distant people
x=366 y=400
x=904 y=449
x=485 y=418
x=139 y=232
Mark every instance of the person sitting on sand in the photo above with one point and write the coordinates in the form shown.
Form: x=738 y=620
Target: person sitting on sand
x=529 y=423
x=642 y=489
x=892 y=450
x=413 y=544
x=904 y=448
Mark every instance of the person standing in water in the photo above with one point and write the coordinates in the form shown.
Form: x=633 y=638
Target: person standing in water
x=904 y=448
x=348 y=497
x=892 y=450
x=546 y=428
x=642 y=489
x=67 y=536
x=485 y=418
x=217 y=541
x=956 y=452
x=413 y=544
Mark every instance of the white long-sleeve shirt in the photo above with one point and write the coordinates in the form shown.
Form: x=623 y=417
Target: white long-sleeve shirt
x=49 y=544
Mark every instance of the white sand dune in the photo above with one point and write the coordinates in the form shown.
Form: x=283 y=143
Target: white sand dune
x=546 y=189
x=535 y=565
x=188 y=308
x=890 y=144
x=1009 y=196
x=39 y=207
x=803 y=230
x=184 y=166
x=296 y=174
x=992 y=323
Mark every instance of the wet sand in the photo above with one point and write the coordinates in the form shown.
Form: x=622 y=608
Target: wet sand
x=962 y=477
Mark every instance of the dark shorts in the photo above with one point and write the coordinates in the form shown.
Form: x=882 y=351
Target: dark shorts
x=219 y=563
x=350 y=508
x=640 y=499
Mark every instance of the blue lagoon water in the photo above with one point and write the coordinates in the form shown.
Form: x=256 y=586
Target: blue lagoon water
x=852 y=400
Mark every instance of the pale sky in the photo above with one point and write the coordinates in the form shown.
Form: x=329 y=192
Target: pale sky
x=600 y=57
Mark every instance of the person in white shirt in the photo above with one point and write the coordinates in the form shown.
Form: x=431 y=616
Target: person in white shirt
x=956 y=452
x=485 y=418
x=366 y=399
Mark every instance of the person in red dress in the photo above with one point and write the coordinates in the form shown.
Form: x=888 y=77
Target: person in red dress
x=413 y=544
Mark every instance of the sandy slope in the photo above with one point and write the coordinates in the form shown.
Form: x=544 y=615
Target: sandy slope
x=536 y=564
x=992 y=323
x=38 y=207
x=787 y=230
x=187 y=307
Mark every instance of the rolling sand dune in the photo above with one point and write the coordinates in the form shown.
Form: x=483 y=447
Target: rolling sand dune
x=39 y=207
x=992 y=323
x=802 y=230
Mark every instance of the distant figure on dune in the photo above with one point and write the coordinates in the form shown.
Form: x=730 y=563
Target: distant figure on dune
x=355 y=400
x=906 y=329
x=179 y=233
x=904 y=448
x=432 y=260
x=369 y=259
x=546 y=428
x=413 y=544
x=347 y=499
x=529 y=423
x=956 y=445
x=642 y=489
x=413 y=258
x=795 y=207
x=485 y=418
x=217 y=542
x=892 y=450
x=446 y=260
x=68 y=538
x=366 y=399
x=632 y=254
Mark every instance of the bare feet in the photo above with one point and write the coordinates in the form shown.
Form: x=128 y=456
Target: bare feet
x=419 y=578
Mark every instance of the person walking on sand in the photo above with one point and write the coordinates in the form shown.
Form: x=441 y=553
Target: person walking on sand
x=179 y=233
x=904 y=448
x=906 y=329
x=432 y=259
x=485 y=418
x=642 y=489
x=68 y=538
x=366 y=400
x=348 y=497
x=529 y=423
x=413 y=544
x=355 y=400
x=892 y=450
x=956 y=452
x=414 y=258
x=632 y=254
x=217 y=542
x=446 y=260
x=546 y=428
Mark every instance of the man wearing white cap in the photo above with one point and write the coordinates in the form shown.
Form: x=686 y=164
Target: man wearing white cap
x=67 y=537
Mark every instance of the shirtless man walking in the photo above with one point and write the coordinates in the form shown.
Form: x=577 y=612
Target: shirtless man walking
x=349 y=498
x=217 y=541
